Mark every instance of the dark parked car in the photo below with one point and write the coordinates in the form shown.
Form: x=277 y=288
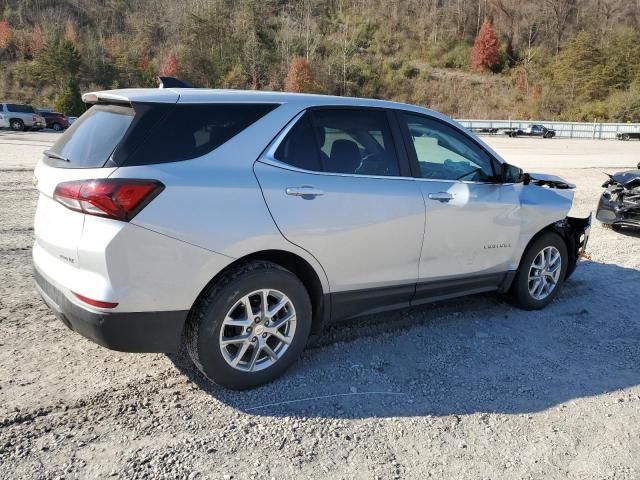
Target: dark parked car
x=55 y=120
x=620 y=203
x=531 y=131
x=628 y=135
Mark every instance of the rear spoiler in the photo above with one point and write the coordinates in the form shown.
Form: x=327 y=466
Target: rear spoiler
x=170 y=82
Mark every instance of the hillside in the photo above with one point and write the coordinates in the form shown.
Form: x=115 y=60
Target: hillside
x=555 y=59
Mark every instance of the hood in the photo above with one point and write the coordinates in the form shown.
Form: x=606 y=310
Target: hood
x=623 y=178
x=551 y=181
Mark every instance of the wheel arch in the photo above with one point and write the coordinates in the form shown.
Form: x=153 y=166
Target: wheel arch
x=310 y=278
x=570 y=229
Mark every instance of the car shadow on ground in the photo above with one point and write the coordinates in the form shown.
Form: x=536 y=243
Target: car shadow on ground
x=470 y=355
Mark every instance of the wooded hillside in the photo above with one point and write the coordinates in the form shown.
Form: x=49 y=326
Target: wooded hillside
x=564 y=59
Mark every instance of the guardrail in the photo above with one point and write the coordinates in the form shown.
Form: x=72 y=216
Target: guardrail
x=602 y=131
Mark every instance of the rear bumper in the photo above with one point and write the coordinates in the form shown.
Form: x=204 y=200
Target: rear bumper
x=122 y=331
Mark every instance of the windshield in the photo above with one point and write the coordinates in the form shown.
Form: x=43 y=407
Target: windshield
x=93 y=137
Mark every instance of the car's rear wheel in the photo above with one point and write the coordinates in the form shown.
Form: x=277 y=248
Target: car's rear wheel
x=57 y=127
x=16 y=124
x=541 y=273
x=249 y=326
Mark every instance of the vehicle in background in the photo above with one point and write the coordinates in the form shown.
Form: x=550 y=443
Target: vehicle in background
x=625 y=136
x=55 y=120
x=483 y=130
x=71 y=120
x=534 y=130
x=619 y=204
x=238 y=222
x=20 y=117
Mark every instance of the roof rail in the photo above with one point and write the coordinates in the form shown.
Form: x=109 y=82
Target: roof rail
x=170 y=82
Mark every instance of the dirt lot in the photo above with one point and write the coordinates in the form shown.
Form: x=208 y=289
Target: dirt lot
x=467 y=389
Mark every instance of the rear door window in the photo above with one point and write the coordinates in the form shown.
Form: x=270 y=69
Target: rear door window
x=356 y=141
x=299 y=148
x=341 y=140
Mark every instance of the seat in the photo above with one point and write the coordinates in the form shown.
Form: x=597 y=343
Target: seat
x=344 y=158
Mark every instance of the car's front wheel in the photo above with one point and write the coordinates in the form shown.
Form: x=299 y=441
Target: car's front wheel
x=541 y=273
x=249 y=326
x=57 y=127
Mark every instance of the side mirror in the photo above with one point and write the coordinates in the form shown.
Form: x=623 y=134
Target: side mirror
x=513 y=174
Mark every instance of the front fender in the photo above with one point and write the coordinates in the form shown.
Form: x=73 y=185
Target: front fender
x=575 y=232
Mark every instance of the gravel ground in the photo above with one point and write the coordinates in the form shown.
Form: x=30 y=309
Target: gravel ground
x=467 y=389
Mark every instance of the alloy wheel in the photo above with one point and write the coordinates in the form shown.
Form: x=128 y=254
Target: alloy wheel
x=544 y=273
x=257 y=330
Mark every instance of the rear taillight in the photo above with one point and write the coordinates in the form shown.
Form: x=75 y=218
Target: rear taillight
x=95 y=303
x=117 y=198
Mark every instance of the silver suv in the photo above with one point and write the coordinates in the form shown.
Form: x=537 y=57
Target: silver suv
x=17 y=116
x=242 y=222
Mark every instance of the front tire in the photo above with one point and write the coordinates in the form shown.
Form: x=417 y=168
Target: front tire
x=542 y=271
x=249 y=326
x=57 y=127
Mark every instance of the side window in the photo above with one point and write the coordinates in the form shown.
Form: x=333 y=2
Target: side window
x=444 y=153
x=299 y=148
x=356 y=142
x=190 y=130
x=11 y=107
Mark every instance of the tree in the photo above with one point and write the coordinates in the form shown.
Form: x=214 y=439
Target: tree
x=5 y=34
x=69 y=101
x=485 y=52
x=170 y=66
x=300 y=77
x=57 y=61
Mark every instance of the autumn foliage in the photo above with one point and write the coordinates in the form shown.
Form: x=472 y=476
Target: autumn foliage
x=170 y=66
x=300 y=77
x=5 y=34
x=485 y=52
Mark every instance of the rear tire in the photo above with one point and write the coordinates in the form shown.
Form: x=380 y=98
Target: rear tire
x=57 y=127
x=537 y=282
x=220 y=330
x=16 y=125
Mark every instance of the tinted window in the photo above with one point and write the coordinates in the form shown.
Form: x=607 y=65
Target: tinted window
x=191 y=130
x=20 y=108
x=299 y=148
x=1 y=107
x=444 y=153
x=355 y=141
x=93 y=137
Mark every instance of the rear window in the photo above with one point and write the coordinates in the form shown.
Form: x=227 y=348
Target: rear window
x=12 y=107
x=151 y=133
x=93 y=137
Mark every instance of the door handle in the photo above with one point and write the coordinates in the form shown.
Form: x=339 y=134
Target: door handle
x=304 y=191
x=441 y=196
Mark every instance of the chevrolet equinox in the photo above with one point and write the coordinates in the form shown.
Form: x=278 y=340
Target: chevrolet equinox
x=240 y=222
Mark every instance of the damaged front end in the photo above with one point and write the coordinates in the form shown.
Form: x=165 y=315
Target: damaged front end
x=619 y=204
x=575 y=232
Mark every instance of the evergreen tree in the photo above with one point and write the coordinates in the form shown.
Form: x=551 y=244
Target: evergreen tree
x=485 y=52
x=57 y=61
x=69 y=101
